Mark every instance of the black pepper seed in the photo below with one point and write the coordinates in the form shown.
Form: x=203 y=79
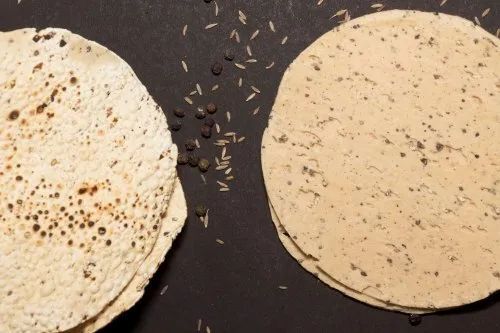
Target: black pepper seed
x=203 y=165
x=206 y=131
x=178 y=112
x=176 y=126
x=62 y=43
x=210 y=122
x=36 y=227
x=101 y=230
x=200 y=210
x=420 y=145
x=200 y=114
x=182 y=159
x=190 y=144
x=424 y=161
x=217 y=68
x=193 y=160
x=415 y=319
x=439 y=146
x=229 y=55
x=108 y=242
x=211 y=108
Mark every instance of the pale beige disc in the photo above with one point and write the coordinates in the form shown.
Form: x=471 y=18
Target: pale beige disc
x=381 y=158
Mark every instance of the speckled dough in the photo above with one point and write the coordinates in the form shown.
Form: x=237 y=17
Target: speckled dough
x=86 y=168
x=171 y=226
x=309 y=264
x=382 y=160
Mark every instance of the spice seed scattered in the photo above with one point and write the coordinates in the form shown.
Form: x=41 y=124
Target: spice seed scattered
x=193 y=160
x=477 y=20
x=256 y=111
x=319 y=2
x=182 y=159
x=188 y=100
x=220 y=241
x=242 y=15
x=283 y=41
x=208 y=329
x=271 y=26
x=228 y=116
x=197 y=143
x=200 y=114
x=199 y=325
x=211 y=108
x=200 y=210
x=217 y=68
x=442 y=3
x=270 y=65
x=216 y=8
x=204 y=165
x=249 y=50
x=226 y=158
x=255 y=89
x=251 y=60
x=178 y=112
x=217 y=128
x=242 y=20
x=198 y=88
x=221 y=167
x=255 y=34
x=485 y=12
x=206 y=131
x=240 y=82
x=283 y=287
x=339 y=13
x=241 y=139
x=231 y=35
x=184 y=30
x=224 y=189
x=190 y=144
x=230 y=177
x=164 y=290
x=228 y=171
x=377 y=5
x=215 y=87
x=176 y=126
x=237 y=36
x=203 y=179
x=194 y=92
x=211 y=25
x=228 y=55
x=222 y=184
x=240 y=66
x=249 y=98
x=229 y=134
x=184 y=66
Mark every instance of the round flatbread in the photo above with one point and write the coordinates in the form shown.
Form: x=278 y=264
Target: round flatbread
x=310 y=265
x=381 y=158
x=87 y=166
x=171 y=226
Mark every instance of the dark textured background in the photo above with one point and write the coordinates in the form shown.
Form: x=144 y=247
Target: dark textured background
x=234 y=287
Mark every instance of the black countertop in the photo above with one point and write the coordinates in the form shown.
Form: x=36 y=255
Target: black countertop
x=234 y=287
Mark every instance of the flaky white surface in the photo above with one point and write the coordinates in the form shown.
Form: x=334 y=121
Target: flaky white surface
x=370 y=158
x=94 y=151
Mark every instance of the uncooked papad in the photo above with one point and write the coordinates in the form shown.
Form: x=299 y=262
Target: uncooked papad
x=87 y=166
x=382 y=162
